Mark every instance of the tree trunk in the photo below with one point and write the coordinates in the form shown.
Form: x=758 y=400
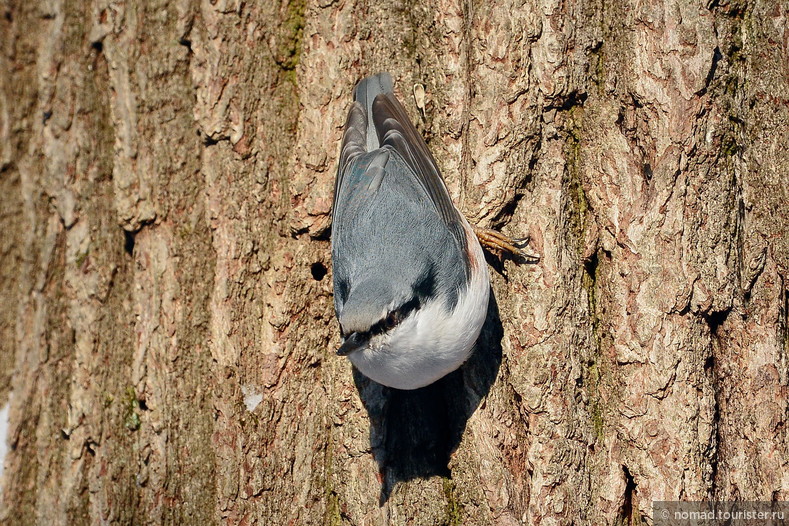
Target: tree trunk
x=167 y=327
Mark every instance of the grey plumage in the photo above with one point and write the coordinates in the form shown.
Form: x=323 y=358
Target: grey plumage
x=391 y=206
x=411 y=286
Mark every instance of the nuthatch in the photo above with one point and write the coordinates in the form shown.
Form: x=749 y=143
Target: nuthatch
x=411 y=283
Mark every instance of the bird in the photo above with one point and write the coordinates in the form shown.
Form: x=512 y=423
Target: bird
x=411 y=285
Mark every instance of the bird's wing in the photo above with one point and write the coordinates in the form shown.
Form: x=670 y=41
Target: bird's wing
x=353 y=145
x=394 y=129
x=376 y=106
x=388 y=184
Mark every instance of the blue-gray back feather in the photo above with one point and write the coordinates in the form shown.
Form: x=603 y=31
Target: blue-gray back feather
x=395 y=230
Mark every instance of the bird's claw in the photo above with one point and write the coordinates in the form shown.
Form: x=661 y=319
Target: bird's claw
x=499 y=243
x=521 y=242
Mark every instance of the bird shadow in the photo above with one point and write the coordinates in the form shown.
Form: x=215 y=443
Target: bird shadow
x=414 y=433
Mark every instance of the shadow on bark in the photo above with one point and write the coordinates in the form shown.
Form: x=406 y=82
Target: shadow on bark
x=413 y=433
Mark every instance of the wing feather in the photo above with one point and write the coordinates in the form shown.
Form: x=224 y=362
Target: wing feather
x=377 y=126
x=395 y=129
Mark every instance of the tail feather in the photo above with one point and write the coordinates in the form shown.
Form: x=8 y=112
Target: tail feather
x=365 y=93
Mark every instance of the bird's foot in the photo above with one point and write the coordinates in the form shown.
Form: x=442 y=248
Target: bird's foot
x=500 y=244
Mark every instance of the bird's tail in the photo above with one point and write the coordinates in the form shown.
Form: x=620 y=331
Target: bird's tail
x=361 y=135
x=365 y=93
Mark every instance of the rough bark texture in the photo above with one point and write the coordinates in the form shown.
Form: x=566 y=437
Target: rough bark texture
x=167 y=330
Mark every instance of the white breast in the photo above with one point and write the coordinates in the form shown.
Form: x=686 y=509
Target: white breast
x=433 y=341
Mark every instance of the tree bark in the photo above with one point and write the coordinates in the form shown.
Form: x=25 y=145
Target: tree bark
x=167 y=327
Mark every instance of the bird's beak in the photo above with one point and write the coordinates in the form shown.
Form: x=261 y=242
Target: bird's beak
x=353 y=342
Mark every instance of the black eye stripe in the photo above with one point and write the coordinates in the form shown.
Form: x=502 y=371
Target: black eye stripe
x=408 y=307
x=394 y=318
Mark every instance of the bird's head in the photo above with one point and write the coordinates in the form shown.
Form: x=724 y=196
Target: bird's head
x=374 y=311
x=410 y=335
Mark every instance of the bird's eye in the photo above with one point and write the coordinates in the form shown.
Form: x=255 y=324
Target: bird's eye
x=391 y=320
